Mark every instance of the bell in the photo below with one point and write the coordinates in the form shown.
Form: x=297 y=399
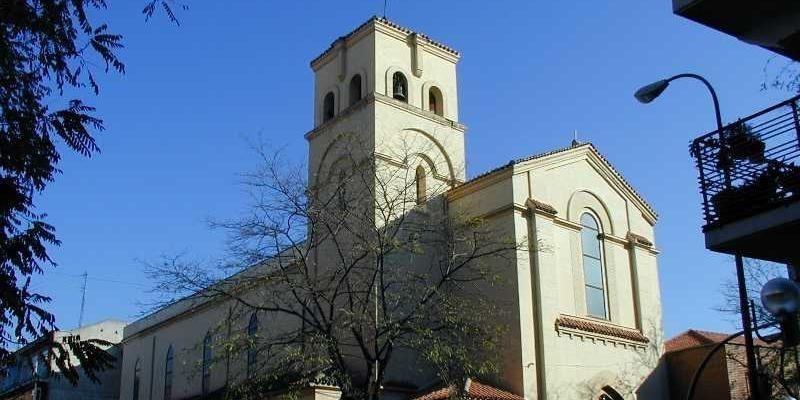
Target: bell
x=399 y=90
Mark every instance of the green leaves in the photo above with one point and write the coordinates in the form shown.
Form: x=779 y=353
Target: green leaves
x=46 y=47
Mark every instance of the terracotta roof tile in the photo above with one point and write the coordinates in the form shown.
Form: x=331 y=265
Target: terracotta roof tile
x=697 y=338
x=474 y=391
x=477 y=390
x=561 y=150
x=387 y=23
x=586 y=325
x=542 y=206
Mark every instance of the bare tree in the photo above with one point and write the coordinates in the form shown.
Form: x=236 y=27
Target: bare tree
x=364 y=271
x=779 y=365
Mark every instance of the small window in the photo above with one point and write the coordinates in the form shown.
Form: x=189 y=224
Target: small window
x=206 y=369
x=252 y=350
x=169 y=365
x=328 y=110
x=593 y=270
x=435 y=101
x=137 y=372
x=422 y=185
x=400 y=87
x=355 y=89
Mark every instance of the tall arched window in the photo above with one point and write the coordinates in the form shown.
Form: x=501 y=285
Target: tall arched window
x=400 y=87
x=355 y=89
x=137 y=373
x=207 y=355
x=169 y=366
x=328 y=107
x=422 y=185
x=435 y=100
x=593 y=271
x=252 y=350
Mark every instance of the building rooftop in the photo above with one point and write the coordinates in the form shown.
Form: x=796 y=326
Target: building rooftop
x=587 y=146
x=692 y=338
x=473 y=390
x=375 y=20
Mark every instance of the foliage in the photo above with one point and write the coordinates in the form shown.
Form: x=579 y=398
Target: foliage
x=50 y=53
x=354 y=276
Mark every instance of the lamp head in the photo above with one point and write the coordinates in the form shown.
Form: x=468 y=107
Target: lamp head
x=780 y=296
x=648 y=93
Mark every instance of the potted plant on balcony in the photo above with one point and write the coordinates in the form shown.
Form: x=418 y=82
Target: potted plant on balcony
x=789 y=179
x=739 y=201
x=743 y=144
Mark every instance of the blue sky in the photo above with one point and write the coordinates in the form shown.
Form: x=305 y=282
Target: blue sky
x=532 y=72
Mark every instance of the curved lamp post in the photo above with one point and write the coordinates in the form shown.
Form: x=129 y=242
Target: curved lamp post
x=645 y=95
x=781 y=297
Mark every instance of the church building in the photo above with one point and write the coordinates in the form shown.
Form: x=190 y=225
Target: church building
x=582 y=301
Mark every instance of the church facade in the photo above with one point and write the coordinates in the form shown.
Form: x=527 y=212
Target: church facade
x=582 y=301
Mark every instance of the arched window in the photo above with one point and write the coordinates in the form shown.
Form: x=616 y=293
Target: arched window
x=435 y=101
x=252 y=350
x=593 y=271
x=422 y=185
x=400 y=87
x=609 y=393
x=169 y=366
x=355 y=89
x=328 y=110
x=137 y=373
x=207 y=355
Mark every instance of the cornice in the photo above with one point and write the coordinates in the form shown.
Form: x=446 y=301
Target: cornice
x=602 y=331
x=429 y=115
x=372 y=98
x=376 y=24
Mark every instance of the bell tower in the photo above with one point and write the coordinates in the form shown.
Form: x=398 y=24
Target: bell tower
x=392 y=93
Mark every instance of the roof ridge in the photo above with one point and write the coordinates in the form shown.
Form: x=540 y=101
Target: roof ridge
x=589 y=145
x=387 y=22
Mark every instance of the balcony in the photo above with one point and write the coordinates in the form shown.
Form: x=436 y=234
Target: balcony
x=771 y=24
x=749 y=177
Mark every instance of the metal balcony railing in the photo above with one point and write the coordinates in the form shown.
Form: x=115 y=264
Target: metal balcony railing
x=751 y=166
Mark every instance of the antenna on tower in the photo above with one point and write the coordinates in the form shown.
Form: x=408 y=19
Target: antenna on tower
x=385 y=6
x=83 y=298
x=575 y=141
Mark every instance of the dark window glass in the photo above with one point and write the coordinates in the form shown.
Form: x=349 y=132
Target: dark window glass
x=593 y=270
x=207 y=355
x=252 y=351
x=355 y=89
x=169 y=365
x=137 y=372
x=328 y=110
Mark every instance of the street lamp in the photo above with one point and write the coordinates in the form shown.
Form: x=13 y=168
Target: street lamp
x=648 y=93
x=781 y=297
x=645 y=95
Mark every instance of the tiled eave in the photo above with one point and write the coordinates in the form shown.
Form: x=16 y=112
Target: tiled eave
x=606 y=331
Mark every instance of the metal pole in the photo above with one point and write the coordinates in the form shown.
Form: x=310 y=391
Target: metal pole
x=747 y=329
x=747 y=324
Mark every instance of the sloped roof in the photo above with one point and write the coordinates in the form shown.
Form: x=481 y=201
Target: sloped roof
x=697 y=338
x=574 y=146
x=386 y=22
x=473 y=390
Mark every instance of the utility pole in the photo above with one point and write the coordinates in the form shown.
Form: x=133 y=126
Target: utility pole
x=83 y=298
